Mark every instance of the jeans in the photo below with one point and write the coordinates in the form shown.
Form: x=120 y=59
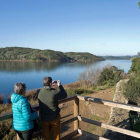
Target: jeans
x=25 y=135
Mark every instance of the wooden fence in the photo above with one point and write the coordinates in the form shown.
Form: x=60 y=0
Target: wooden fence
x=76 y=118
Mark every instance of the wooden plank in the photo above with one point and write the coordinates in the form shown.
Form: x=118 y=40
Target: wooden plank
x=70 y=135
x=76 y=113
x=67 y=116
x=93 y=136
x=9 y=115
x=109 y=103
x=6 y=116
x=69 y=121
x=113 y=128
x=78 y=137
x=67 y=99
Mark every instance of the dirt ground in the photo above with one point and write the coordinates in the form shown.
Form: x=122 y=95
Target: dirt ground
x=88 y=110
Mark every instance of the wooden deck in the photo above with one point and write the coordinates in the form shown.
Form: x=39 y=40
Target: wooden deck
x=81 y=137
x=79 y=134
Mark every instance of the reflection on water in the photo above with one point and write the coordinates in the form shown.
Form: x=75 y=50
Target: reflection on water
x=32 y=73
x=26 y=66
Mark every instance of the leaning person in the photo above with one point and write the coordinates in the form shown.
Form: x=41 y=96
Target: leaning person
x=49 y=111
x=22 y=116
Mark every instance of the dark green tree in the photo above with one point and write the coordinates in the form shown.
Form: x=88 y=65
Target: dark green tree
x=135 y=66
x=110 y=76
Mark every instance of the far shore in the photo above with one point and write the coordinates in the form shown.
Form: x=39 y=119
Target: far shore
x=50 y=61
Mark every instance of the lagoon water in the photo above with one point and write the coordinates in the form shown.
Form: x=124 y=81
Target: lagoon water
x=32 y=73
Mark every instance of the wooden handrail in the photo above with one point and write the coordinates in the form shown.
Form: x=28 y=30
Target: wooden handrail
x=9 y=115
x=110 y=127
x=109 y=103
x=78 y=118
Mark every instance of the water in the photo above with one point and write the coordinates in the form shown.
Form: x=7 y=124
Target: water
x=32 y=73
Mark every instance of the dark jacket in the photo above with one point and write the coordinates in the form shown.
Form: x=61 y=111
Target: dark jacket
x=48 y=102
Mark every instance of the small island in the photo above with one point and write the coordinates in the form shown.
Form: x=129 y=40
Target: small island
x=29 y=54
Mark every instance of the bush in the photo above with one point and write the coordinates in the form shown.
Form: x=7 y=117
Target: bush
x=110 y=76
x=89 y=77
x=135 y=66
x=132 y=89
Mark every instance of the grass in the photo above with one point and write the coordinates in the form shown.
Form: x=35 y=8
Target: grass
x=96 y=129
x=97 y=118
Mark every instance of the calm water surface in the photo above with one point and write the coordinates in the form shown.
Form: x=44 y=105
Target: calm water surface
x=32 y=73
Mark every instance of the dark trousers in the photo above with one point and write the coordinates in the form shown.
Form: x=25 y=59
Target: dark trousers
x=25 y=135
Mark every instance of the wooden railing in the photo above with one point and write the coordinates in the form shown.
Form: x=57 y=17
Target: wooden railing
x=76 y=118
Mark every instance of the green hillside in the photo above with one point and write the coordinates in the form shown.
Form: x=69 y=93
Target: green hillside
x=20 y=53
x=83 y=56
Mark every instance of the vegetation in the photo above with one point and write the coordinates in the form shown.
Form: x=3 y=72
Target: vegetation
x=127 y=57
x=139 y=54
x=89 y=77
x=110 y=76
x=24 y=54
x=83 y=56
x=135 y=68
x=132 y=87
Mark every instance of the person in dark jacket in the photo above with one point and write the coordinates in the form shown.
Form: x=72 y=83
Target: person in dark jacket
x=49 y=111
x=22 y=116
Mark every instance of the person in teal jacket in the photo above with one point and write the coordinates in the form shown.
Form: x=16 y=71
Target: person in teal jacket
x=22 y=116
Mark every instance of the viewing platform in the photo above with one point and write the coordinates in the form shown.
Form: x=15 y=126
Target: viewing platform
x=75 y=118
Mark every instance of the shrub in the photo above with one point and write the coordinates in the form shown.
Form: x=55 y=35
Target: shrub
x=135 y=66
x=132 y=89
x=110 y=76
x=89 y=77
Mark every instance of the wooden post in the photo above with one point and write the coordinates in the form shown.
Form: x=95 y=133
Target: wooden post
x=18 y=137
x=76 y=113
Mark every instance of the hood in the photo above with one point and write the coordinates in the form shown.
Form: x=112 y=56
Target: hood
x=16 y=97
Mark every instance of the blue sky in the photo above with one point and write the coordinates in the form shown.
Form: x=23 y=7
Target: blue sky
x=101 y=27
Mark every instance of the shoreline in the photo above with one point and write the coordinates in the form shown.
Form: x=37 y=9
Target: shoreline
x=51 y=61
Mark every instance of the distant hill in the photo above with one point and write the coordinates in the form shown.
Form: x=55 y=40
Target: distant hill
x=83 y=56
x=127 y=57
x=28 y=54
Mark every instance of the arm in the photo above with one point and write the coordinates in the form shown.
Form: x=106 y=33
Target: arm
x=37 y=92
x=61 y=94
x=26 y=111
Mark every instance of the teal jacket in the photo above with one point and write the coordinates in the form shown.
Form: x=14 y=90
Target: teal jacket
x=22 y=116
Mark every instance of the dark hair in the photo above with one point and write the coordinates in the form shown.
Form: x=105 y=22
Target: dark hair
x=20 y=88
x=47 y=81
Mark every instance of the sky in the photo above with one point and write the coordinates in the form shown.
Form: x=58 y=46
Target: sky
x=100 y=27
